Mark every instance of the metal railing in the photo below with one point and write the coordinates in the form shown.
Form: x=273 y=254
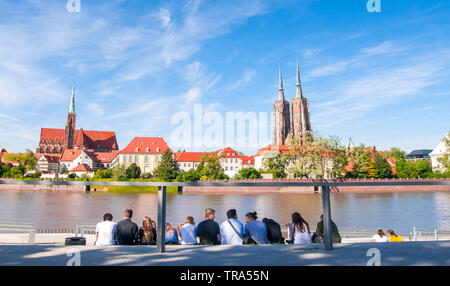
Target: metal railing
x=324 y=185
x=21 y=227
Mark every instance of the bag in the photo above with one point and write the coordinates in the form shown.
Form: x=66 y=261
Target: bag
x=245 y=240
x=274 y=234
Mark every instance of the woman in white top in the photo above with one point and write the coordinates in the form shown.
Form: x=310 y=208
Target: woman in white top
x=299 y=230
x=380 y=237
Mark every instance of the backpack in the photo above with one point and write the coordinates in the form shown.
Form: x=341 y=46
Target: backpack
x=274 y=234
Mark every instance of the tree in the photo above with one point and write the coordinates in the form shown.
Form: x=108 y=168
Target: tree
x=17 y=172
x=190 y=176
x=119 y=173
x=210 y=168
x=133 y=171
x=275 y=164
x=360 y=158
x=397 y=153
x=382 y=166
x=247 y=173
x=168 y=168
x=372 y=172
x=103 y=174
x=64 y=169
x=408 y=169
x=445 y=159
x=28 y=160
x=72 y=176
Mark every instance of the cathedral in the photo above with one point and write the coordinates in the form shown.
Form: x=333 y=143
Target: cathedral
x=55 y=141
x=291 y=121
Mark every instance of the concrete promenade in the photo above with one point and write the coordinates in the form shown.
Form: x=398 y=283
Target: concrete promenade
x=433 y=253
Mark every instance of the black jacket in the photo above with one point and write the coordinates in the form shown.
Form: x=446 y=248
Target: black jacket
x=274 y=234
x=127 y=232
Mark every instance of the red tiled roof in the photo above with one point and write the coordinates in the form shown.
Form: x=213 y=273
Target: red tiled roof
x=146 y=145
x=106 y=157
x=189 y=156
x=70 y=154
x=50 y=158
x=86 y=138
x=247 y=159
x=81 y=168
x=273 y=148
x=228 y=153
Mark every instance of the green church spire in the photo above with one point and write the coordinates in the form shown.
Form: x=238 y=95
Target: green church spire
x=72 y=101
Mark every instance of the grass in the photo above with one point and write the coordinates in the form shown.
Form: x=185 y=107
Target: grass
x=132 y=189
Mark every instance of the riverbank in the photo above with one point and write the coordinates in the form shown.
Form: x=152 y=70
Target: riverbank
x=245 y=189
x=434 y=253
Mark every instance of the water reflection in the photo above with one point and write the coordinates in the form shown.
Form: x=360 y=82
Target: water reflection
x=400 y=211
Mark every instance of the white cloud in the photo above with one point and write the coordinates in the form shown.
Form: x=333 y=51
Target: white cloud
x=246 y=78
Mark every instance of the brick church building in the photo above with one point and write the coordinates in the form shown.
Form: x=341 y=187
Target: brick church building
x=56 y=141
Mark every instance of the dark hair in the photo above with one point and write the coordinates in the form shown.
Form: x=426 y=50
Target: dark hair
x=299 y=222
x=391 y=232
x=231 y=213
x=107 y=216
x=253 y=215
x=128 y=213
x=380 y=233
x=190 y=220
x=148 y=230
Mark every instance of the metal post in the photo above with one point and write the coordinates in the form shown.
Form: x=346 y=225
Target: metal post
x=161 y=224
x=328 y=236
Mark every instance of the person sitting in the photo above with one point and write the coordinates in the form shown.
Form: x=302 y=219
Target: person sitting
x=147 y=233
x=232 y=230
x=188 y=232
x=171 y=235
x=393 y=237
x=127 y=231
x=299 y=230
x=106 y=231
x=320 y=232
x=255 y=231
x=208 y=231
x=380 y=237
x=274 y=234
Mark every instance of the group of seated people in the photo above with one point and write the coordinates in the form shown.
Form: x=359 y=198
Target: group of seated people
x=209 y=232
x=389 y=236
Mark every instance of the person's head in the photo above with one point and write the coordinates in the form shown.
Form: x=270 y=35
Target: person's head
x=107 y=216
x=189 y=220
x=169 y=227
x=321 y=217
x=210 y=214
x=128 y=213
x=153 y=224
x=298 y=221
x=391 y=232
x=249 y=217
x=147 y=224
x=231 y=214
x=380 y=232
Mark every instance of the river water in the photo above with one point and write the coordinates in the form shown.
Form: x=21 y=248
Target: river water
x=399 y=211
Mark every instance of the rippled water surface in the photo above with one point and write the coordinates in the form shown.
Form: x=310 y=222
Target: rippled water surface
x=400 y=211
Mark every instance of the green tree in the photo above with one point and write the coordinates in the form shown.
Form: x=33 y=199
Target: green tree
x=210 y=168
x=247 y=173
x=360 y=159
x=133 y=171
x=119 y=173
x=72 y=176
x=190 y=176
x=445 y=159
x=382 y=166
x=397 y=153
x=28 y=160
x=103 y=174
x=17 y=172
x=276 y=164
x=372 y=172
x=167 y=170
x=64 y=169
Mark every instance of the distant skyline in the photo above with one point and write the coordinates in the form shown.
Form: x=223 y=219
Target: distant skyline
x=380 y=78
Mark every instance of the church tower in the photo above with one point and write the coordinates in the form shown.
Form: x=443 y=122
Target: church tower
x=70 y=124
x=281 y=117
x=301 y=122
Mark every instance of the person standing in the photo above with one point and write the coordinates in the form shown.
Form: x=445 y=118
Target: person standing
x=255 y=231
x=188 y=232
x=299 y=230
x=127 y=231
x=232 y=230
x=106 y=231
x=208 y=231
x=334 y=230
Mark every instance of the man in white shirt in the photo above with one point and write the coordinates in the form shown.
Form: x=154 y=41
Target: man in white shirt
x=188 y=232
x=232 y=230
x=106 y=231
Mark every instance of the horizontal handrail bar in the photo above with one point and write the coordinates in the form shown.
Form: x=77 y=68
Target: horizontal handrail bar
x=233 y=183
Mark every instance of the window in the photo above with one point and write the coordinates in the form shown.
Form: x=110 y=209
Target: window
x=147 y=150
x=135 y=159
x=124 y=158
x=137 y=149
x=146 y=159
x=157 y=150
x=130 y=159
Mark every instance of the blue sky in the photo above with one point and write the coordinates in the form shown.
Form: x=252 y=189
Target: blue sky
x=380 y=78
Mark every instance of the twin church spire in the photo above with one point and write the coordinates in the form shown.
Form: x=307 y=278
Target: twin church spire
x=291 y=121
